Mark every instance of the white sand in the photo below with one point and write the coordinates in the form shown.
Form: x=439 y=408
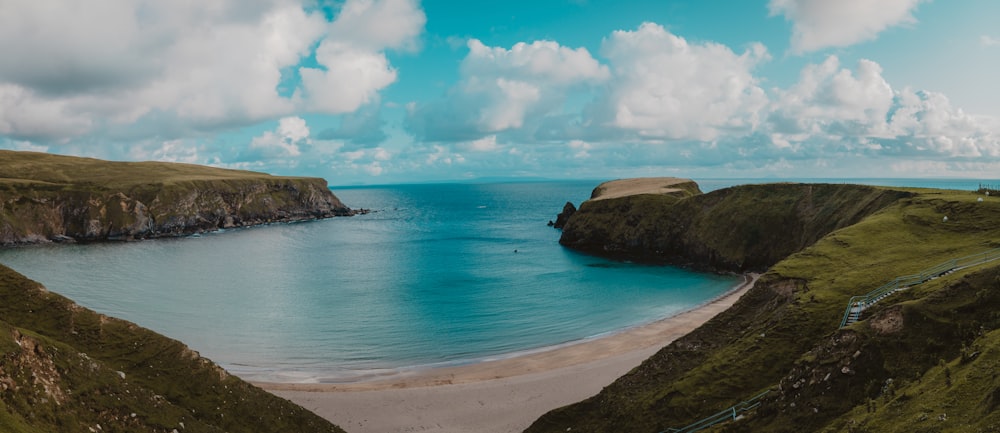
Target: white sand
x=498 y=396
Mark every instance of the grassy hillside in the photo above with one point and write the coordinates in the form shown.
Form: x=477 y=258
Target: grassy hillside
x=64 y=368
x=742 y=228
x=45 y=168
x=783 y=335
x=46 y=197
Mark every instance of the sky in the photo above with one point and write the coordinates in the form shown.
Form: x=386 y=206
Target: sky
x=397 y=91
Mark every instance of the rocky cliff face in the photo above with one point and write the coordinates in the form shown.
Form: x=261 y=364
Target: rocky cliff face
x=32 y=211
x=922 y=359
x=743 y=228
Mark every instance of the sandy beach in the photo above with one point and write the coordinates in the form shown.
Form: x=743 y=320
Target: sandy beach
x=504 y=395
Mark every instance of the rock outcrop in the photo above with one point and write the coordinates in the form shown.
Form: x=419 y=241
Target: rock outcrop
x=568 y=210
x=56 y=198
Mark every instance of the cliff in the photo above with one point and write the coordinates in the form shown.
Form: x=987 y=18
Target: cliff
x=68 y=369
x=47 y=197
x=922 y=359
x=737 y=229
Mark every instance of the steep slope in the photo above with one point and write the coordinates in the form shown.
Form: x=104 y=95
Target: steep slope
x=68 y=369
x=47 y=197
x=783 y=335
x=743 y=228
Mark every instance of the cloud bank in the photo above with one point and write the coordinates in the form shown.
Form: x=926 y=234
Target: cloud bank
x=122 y=68
x=172 y=81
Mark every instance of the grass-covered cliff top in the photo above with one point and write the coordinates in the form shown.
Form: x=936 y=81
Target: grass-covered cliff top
x=46 y=197
x=670 y=186
x=922 y=360
x=21 y=167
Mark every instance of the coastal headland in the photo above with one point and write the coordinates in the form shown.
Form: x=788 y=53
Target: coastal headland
x=53 y=198
x=926 y=353
x=816 y=245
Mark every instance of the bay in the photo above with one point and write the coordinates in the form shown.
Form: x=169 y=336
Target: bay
x=437 y=275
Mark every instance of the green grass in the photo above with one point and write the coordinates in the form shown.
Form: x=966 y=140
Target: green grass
x=744 y=228
x=786 y=329
x=43 y=168
x=68 y=373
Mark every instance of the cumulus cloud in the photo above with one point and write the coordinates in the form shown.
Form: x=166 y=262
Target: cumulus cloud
x=112 y=67
x=285 y=141
x=352 y=56
x=833 y=110
x=818 y=24
x=501 y=88
x=828 y=98
x=665 y=87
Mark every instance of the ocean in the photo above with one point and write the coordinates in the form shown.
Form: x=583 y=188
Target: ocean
x=436 y=275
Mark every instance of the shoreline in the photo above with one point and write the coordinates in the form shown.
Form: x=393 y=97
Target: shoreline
x=660 y=332
x=498 y=396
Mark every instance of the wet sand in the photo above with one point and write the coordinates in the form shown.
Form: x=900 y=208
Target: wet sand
x=504 y=395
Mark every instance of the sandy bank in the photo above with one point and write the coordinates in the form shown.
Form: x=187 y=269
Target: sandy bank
x=505 y=395
x=642 y=185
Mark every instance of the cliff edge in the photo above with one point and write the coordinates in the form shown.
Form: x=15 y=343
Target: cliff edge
x=738 y=229
x=46 y=197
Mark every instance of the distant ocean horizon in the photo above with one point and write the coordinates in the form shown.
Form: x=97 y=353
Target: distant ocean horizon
x=437 y=274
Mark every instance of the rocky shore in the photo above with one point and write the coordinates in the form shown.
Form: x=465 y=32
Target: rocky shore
x=51 y=198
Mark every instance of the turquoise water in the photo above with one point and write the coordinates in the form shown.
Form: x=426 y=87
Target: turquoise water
x=431 y=278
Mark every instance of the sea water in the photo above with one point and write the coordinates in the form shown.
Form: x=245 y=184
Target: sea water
x=435 y=275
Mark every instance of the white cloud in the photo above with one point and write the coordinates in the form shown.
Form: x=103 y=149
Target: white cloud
x=828 y=95
x=540 y=61
x=580 y=148
x=285 y=141
x=833 y=110
x=380 y=154
x=379 y=24
x=374 y=168
x=26 y=114
x=22 y=145
x=665 y=87
x=176 y=69
x=500 y=89
x=989 y=41
x=485 y=144
x=352 y=55
x=818 y=24
x=172 y=151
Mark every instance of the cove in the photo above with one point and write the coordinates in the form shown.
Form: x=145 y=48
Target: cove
x=438 y=275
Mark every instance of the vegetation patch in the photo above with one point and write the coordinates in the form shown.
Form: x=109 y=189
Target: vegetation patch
x=68 y=369
x=45 y=198
x=827 y=243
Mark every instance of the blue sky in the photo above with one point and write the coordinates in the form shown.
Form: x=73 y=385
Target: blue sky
x=392 y=91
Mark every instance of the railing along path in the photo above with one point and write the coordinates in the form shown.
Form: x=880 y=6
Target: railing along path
x=860 y=303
